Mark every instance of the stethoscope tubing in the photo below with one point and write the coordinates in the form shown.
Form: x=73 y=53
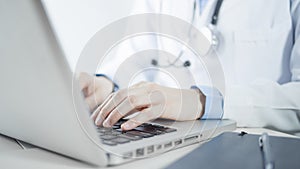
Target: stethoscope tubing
x=211 y=27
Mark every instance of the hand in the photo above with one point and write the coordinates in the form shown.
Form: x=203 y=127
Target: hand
x=95 y=89
x=151 y=101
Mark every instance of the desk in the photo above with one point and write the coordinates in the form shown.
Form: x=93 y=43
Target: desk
x=12 y=156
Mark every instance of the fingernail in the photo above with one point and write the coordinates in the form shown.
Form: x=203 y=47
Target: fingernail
x=127 y=126
x=98 y=121
x=93 y=116
x=106 y=124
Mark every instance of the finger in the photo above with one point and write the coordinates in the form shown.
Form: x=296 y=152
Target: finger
x=120 y=111
x=144 y=116
x=127 y=106
x=97 y=110
x=119 y=97
x=135 y=111
x=116 y=99
x=105 y=109
x=97 y=116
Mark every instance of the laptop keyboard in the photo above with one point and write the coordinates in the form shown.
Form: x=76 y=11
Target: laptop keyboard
x=114 y=135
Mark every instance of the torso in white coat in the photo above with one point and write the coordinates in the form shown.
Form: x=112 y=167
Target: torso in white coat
x=257 y=45
x=255 y=39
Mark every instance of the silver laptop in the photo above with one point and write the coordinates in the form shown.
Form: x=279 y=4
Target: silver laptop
x=37 y=100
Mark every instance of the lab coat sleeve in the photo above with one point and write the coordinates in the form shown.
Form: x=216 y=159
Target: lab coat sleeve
x=214 y=102
x=267 y=103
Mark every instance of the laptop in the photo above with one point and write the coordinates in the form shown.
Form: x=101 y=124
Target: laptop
x=38 y=95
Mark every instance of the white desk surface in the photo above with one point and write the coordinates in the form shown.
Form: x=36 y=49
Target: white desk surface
x=12 y=156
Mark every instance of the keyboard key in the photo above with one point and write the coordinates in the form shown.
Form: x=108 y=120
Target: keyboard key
x=103 y=129
x=130 y=137
x=120 y=140
x=166 y=130
x=169 y=130
x=116 y=133
x=139 y=133
x=120 y=122
x=116 y=127
x=120 y=130
x=149 y=129
x=157 y=126
x=108 y=137
x=108 y=142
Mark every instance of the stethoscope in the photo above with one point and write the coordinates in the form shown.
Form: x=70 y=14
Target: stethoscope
x=208 y=31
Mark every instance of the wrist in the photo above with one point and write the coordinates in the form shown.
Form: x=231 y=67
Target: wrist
x=214 y=102
x=201 y=98
x=114 y=87
x=106 y=83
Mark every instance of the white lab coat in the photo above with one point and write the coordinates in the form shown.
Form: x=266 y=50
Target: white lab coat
x=259 y=51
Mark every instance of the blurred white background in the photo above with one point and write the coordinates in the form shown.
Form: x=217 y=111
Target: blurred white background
x=76 y=21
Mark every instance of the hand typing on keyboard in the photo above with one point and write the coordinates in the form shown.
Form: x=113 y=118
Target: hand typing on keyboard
x=151 y=101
